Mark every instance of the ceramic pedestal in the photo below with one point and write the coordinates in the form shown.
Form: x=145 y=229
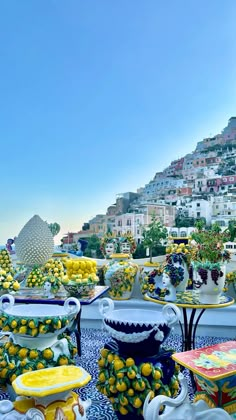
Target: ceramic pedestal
x=46 y=394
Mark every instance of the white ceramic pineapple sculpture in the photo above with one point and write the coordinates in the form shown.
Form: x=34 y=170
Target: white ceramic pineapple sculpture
x=34 y=244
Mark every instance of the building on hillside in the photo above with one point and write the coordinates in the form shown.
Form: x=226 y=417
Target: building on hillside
x=199 y=208
x=223 y=209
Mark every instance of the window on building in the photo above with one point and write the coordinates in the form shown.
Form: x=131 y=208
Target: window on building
x=119 y=222
x=198 y=204
x=183 y=234
x=229 y=212
x=198 y=214
x=128 y=222
x=174 y=234
x=138 y=232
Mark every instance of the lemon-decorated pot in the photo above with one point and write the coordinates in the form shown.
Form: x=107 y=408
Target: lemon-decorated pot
x=36 y=337
x=120 y=274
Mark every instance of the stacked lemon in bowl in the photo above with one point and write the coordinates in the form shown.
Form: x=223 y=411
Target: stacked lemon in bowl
x=81 y=277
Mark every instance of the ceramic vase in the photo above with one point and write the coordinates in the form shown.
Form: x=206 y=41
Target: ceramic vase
x=179 y=261
x=209 y=282
x=120 y=274
x=150 y=279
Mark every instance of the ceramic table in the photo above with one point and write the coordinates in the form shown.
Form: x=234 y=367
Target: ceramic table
x=214 y=369
x=190 y=300
x=59 y=300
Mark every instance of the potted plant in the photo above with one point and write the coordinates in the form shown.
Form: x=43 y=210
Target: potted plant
x=208 y=262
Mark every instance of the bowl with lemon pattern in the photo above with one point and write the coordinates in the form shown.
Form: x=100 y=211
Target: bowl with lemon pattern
x=38 y=320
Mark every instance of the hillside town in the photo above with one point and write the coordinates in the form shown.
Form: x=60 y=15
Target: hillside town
x=199 y=186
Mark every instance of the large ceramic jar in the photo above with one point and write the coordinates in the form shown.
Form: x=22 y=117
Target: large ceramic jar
x=134 y=363
x=209 y=280
x=120 y=274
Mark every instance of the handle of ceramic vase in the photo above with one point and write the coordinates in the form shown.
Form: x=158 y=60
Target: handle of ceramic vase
x=171 y=313
x=6 y=301
x=74 y=308
x=106 y=305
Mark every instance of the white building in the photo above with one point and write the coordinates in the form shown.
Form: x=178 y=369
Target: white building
x=223 y=209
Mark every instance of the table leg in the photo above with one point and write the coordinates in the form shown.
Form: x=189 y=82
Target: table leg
x=196 y=325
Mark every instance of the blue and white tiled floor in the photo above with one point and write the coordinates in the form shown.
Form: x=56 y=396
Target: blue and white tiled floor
x=92 y=341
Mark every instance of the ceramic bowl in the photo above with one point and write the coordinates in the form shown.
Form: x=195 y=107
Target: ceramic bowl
x=34 y=320
x=138 y=332
x=80 y=290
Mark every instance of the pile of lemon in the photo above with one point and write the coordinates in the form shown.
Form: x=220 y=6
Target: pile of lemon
x=7 y=281
x=52 y=268
x=5 y=261
x=127 y=383
x=35 y=278
x=80 y=271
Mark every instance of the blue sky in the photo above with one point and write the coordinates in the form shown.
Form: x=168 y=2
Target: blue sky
x=98 y=95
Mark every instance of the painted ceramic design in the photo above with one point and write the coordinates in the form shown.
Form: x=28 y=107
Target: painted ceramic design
x=138 y=332
x=16 y=359
x=209 y=282
x=150 y=279
x=120 y=274
x=81 y=289
x=179 y=260
x=127 y=380
x=39 y=321
x=214 y=368
x=50 y=395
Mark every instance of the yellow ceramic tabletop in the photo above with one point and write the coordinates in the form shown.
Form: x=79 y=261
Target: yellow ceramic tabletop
x=44 y=382
x=190 y=299
x=212 y=362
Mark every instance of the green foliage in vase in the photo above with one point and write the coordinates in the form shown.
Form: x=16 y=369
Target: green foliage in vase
x=209 y=246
